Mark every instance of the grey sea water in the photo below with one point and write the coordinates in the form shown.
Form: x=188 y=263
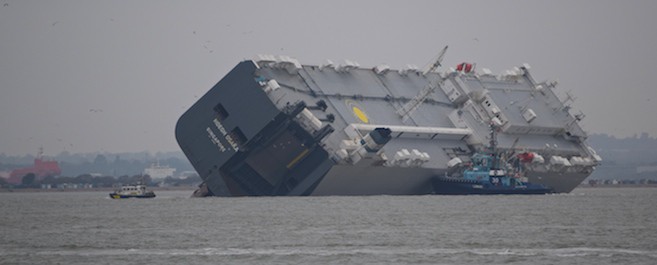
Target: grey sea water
x=589 y=226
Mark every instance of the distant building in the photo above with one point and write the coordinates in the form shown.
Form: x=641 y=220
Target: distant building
x=189 y=173
x=157 y=171
x=41 y=169
x=644 y=169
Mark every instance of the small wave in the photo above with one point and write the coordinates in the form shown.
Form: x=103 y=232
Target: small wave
x=566 y=252
x=341 y=251
x=603 y=252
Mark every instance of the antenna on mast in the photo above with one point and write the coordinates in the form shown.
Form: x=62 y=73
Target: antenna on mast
x=569 y=97
x=437 y=62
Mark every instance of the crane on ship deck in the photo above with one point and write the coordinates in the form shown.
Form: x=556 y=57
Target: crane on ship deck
x=412 y=105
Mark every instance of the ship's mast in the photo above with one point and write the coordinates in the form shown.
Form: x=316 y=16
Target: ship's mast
x=410 y=107
x=493 y=144
x=40 y=154
x=437 y=63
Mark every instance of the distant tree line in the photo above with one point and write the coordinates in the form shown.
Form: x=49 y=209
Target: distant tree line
x=622 y=157
x=117 y=166
x=100 y=169
x=31 y=181
x=105 y=164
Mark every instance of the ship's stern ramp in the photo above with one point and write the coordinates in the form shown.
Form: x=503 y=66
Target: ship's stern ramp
x=241 y=144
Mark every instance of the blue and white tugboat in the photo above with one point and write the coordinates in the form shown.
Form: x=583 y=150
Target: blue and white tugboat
x=490 y=172
x=132 y=191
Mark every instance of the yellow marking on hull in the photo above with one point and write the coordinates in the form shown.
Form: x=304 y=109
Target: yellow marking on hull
x=360 y=114
x=296 y=159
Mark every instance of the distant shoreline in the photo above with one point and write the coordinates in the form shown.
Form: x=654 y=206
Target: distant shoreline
x=588 y=186
x=183 y=188
x=192 y=188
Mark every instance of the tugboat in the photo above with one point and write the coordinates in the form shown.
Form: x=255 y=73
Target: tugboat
x=484 y=175
x=132 y=191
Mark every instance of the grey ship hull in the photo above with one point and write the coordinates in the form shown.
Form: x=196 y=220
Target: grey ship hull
x=345 y=180
x=272 y=127
x=560 y=183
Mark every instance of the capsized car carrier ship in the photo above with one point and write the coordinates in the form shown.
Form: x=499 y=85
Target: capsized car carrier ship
x=274 y=127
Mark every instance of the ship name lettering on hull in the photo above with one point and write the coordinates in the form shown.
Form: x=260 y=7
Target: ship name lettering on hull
x=225 y=134
x=232 y=143
x=220 y=127
x=215 y=140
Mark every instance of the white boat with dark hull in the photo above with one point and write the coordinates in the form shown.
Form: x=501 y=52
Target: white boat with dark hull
x=275 y=127
x=132 y=191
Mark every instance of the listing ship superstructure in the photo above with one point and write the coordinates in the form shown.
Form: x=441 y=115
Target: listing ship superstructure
x=274 y=127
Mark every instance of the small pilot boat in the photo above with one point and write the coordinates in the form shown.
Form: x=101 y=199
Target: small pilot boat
x=132 y=191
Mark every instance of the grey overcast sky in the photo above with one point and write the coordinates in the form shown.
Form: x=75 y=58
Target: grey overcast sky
x=87 y=76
